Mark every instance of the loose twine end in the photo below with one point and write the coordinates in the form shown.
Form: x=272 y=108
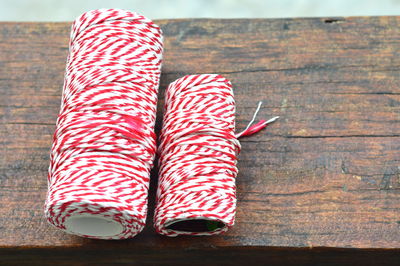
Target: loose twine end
x=252 y=129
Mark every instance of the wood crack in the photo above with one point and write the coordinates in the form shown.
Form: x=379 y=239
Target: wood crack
x=28 y=123
x=310 y=67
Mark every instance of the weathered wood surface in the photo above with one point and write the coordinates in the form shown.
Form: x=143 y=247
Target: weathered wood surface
x=327 y=174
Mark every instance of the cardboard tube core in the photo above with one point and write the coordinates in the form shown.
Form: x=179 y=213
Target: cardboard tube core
x=92 y=225
x=195 y=225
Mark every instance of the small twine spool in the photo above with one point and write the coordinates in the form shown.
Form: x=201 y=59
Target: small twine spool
x=198 y=155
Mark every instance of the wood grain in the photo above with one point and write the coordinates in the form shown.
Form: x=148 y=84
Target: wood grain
x=321 y=185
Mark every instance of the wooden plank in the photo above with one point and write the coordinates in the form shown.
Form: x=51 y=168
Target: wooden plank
x=319 y=186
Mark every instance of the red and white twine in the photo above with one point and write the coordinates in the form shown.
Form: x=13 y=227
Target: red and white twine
x=198 y=155
x=104 y=143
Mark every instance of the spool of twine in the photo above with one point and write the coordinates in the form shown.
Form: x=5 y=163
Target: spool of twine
x=104 y=143
x=198 y=155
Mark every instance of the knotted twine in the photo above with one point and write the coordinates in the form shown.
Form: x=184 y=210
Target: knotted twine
x=104 y=143
x=198 y=155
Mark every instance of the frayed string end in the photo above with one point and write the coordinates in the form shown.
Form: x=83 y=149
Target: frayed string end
x=252 y=129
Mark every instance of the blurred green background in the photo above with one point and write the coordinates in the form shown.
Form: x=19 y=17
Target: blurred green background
x=67 y=10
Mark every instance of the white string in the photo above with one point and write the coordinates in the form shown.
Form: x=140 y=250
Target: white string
x=273 y=119
x=254 y=116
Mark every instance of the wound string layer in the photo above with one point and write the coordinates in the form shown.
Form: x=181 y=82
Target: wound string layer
x=198 y=149
x=104 y=143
